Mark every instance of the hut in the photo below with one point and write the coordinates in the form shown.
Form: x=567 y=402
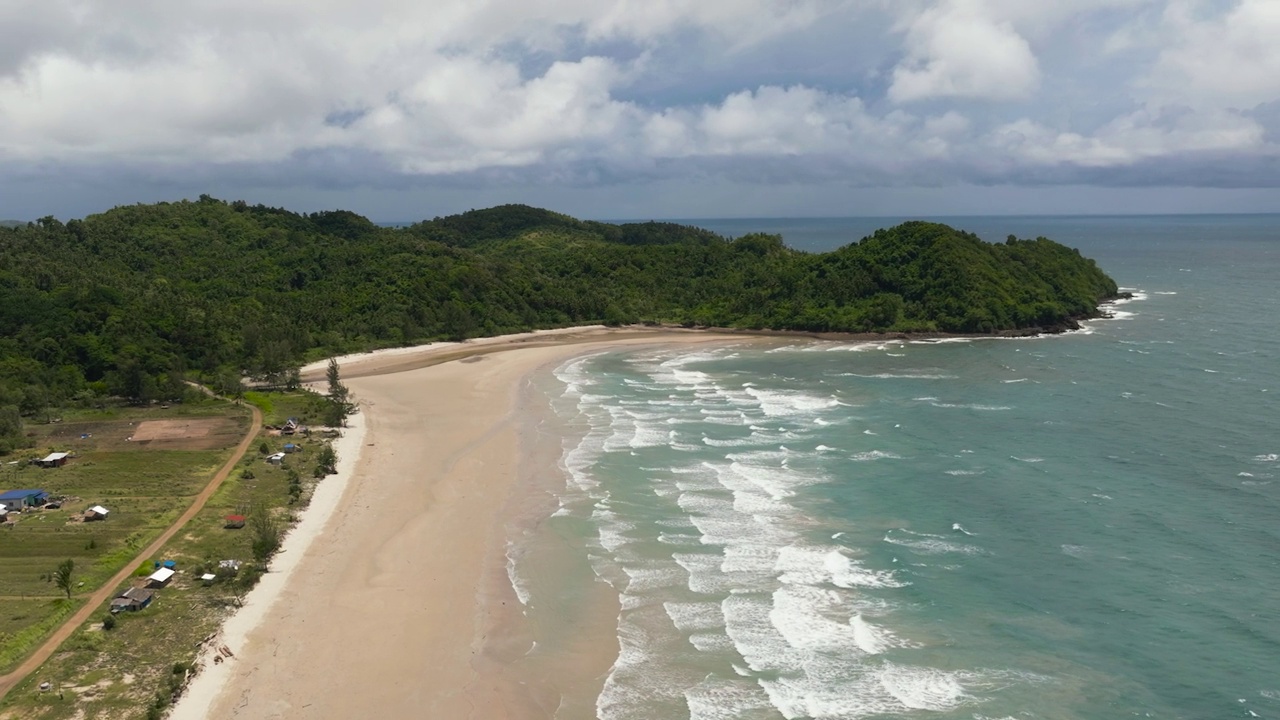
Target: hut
x=292 y=447
x=276 y=459
x=132 y=600
x=208 y=579
x=97 y=512
x=53 y=460
x=234 y=522
x=23 y=499
x=160 y=578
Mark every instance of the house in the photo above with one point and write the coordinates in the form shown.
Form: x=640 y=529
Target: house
x=23 y=499
x=290 y=426
x=234 y=522
x=132 y=600
x=97 y=512
x=276 y=459
x=53 y=460
x=160 y=578
x=292 y=448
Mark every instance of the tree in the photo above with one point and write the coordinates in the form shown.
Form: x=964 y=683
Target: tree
x=62 y=576
x=229 y=384
x=266 y=533
x=327 y=459
x=337 y=391
x=10 y=428
x=335 y=415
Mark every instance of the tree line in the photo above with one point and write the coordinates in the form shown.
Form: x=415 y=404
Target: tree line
x=132 y=301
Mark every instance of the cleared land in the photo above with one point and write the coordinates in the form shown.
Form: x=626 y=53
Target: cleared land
x=144 y=487
x=128 y=671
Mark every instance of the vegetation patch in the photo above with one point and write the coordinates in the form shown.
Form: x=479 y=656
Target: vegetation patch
x=135 y=664
x=131 y=302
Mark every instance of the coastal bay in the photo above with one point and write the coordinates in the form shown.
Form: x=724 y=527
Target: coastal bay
x=403 y=592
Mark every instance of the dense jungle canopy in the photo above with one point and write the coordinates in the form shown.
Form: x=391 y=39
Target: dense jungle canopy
x=128 y=302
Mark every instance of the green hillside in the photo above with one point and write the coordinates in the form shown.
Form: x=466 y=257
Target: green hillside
x=127 y=302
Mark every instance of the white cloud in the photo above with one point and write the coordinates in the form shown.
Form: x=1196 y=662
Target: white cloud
x=1232 y=60
x=465 y=114
x=547 y=87
x=960 y=48
x=1131 y=138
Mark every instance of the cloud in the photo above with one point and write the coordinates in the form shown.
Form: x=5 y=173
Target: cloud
x=1135 y=137
x=1232 y=60
x=393 y=93
x=959 y=48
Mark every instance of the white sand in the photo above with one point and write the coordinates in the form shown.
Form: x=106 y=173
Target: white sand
x=400 y=605
x=346 y=362
x=212 y=678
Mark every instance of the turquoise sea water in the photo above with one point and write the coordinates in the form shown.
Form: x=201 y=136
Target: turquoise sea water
x=1079 y=526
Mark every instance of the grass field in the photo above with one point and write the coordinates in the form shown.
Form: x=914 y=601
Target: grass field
x=128 y=671
x=144 y=485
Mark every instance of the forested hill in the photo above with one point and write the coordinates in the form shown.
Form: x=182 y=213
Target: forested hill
x=126 y=302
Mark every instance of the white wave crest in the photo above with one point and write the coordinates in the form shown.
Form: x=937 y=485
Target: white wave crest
x=928 y=544
x=874 y=455
x=971 y=406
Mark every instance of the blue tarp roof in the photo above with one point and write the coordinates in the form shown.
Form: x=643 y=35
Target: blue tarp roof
x=21 y=494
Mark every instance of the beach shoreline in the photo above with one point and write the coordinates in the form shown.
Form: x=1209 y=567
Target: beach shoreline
x=396 y=576
x=234 y=631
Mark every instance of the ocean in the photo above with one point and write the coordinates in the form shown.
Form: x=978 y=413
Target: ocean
x=1066 y=527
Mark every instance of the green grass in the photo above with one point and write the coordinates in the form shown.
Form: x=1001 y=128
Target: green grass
x=39 y=621
x=306 y=407
x=145 y=645
x=260 y=400
x=145 y=488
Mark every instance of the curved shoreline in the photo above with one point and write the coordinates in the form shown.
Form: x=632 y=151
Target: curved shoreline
x=362 y=541
x=209 y=689
x=212 y=677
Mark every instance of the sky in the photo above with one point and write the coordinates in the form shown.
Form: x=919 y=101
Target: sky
x=403 y=109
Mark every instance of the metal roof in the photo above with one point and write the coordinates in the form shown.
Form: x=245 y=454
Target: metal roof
x=161 y=575
x=21 y=494
x=53 y=457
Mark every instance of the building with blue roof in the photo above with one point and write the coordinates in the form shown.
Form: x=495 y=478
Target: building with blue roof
x=23 y=499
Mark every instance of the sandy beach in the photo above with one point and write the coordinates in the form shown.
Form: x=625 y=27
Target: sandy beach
x=391 y=598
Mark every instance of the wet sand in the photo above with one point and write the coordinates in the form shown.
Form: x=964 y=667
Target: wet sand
x=397 y=603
